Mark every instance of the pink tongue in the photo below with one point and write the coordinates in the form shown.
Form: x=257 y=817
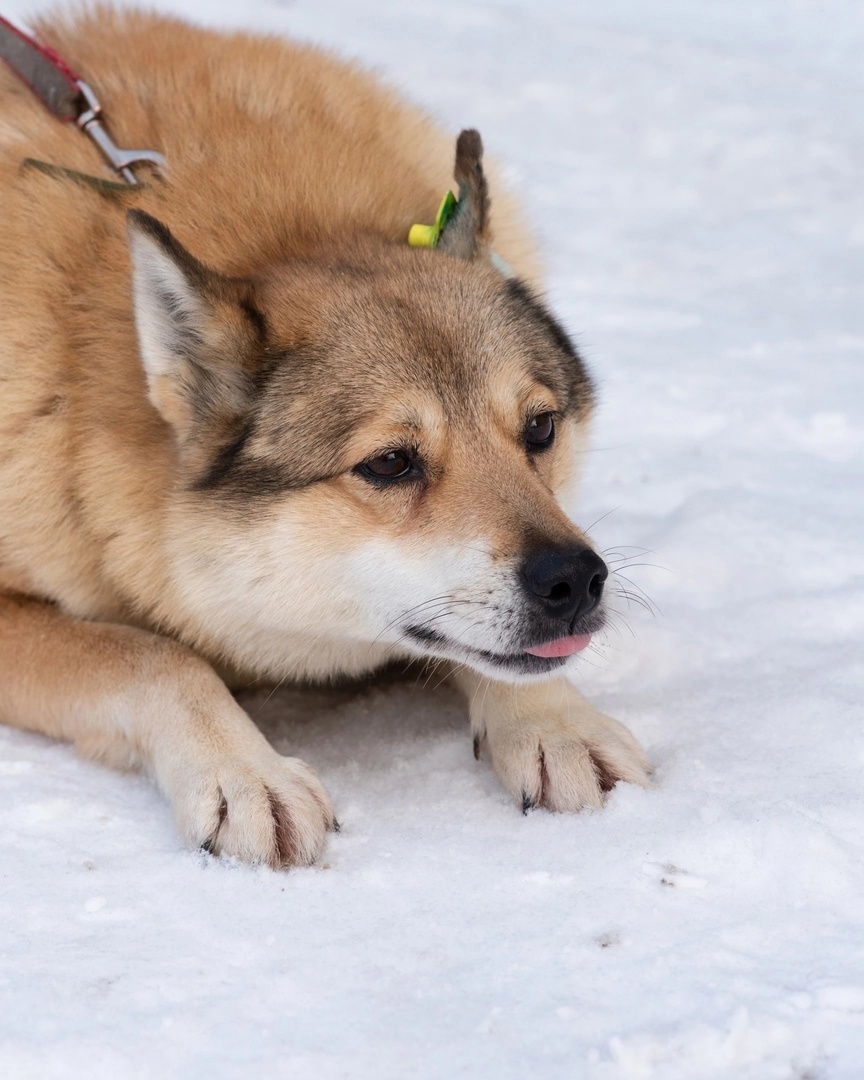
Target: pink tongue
x=564 y=646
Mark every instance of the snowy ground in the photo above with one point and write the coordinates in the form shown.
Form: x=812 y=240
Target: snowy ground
x=696 y=173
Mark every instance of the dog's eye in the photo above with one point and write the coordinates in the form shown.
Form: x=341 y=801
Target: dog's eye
x=540 y=432
x=389 y=466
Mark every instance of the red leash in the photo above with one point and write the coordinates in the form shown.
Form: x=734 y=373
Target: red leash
x=67 y=96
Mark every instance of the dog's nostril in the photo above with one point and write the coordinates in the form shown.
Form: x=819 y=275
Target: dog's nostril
x=560 y=591
x=595 y=586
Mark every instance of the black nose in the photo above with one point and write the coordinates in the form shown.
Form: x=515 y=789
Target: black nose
x=569 y=583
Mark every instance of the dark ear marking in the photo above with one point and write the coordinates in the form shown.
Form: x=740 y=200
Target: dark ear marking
x=145 y=223
x=256 y=319
x=467 y=233
x=226 y=467
x=578 y=387
x=525 y=300
x=225 y=461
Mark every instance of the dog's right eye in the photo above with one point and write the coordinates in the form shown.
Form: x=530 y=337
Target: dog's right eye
x=540 y=433
x=390 y=466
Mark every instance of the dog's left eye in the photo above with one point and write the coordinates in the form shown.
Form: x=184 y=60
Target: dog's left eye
x=389 y=466
x=540 y=432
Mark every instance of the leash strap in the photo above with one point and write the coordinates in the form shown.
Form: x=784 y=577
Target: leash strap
x=95 y=183
x=67 y=96
x=47 y=74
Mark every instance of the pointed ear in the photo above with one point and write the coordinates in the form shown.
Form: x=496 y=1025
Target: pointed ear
x=199 y=334
x=466 y=234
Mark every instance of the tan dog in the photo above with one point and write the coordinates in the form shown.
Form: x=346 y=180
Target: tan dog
x=312 y=451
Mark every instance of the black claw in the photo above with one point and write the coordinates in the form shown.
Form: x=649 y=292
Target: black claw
x=336 y=827
x=476 y=747
x=208 y=846
x=527 y=803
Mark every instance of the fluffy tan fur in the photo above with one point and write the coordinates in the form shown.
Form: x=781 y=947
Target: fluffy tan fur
x=124 y=585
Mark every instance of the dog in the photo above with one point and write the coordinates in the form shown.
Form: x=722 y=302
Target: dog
x=248 y=432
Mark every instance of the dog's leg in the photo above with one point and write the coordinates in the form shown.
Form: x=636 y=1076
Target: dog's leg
x=548 y=745
x=132 y=698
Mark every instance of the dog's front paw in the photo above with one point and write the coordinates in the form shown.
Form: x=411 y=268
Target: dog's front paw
x=562 y=761
x=232 y=793
x=259 y=806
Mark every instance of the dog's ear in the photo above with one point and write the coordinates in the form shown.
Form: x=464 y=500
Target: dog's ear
x=466 y=234
x=199 y=334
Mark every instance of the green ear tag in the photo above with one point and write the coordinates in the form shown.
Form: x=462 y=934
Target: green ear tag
x=429 y=235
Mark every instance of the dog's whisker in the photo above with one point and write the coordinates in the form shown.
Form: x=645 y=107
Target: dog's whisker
x=277 y=687
x=435 y=668
x=405 y=616
x=639 y=591
x=620 y=557
x=654 y=566
x=631 y=599
x=602 y=517
x=647 y=602
x=447 y=674
x=616 y=549
x=616 y=620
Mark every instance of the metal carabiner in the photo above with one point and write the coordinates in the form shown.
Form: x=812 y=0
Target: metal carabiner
x=89 y=121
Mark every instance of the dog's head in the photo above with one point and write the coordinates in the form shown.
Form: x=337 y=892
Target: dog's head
x=371 y=447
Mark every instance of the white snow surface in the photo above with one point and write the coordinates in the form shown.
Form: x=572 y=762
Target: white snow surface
x=695 y=172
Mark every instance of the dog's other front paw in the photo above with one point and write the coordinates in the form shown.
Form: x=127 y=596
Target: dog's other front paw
x=562 y=756
x=267 y=809
x=232 y=793
x=564 y=764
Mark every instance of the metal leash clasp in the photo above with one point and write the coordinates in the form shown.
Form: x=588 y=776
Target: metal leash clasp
x=90 y=122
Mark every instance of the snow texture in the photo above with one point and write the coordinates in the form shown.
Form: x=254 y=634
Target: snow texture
x=695 y=172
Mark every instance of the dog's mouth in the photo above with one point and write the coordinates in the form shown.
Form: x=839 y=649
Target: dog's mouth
x=529 y=660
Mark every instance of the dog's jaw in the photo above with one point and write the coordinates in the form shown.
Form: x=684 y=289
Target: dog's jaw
x=519 y=666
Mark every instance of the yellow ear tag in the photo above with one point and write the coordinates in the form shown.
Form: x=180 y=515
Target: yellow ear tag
x=429 y=235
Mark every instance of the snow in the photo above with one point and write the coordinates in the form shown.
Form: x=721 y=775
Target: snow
x=695 y=173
